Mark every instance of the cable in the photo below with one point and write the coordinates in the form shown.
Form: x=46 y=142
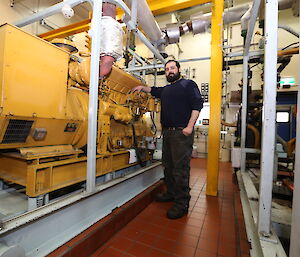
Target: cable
x=290 y=45
x=253 y=66
x=137 y=150
x=154 y=125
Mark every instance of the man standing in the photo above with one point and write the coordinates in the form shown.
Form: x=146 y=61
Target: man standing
x=181 y=103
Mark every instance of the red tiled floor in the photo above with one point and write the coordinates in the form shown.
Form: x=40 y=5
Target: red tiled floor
x=139 y=249
x=214 y=226
x=159 y=253
x=110 y=252
x=184 y=250
x=202 y=253
x=120 y=243
x=147 y=239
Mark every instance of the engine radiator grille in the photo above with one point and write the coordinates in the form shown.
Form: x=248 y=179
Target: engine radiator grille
x=17 y=131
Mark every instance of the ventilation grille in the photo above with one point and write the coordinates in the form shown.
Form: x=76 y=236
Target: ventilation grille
x=17 y=131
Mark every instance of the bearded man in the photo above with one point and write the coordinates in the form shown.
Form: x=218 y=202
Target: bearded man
x=181 y=103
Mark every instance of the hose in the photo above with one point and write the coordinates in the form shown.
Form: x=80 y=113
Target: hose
x=289 y=29
x=137 y=150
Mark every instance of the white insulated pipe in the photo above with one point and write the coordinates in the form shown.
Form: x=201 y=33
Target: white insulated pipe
x=146 y=20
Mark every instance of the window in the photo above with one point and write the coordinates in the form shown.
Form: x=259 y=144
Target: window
x=282 y=116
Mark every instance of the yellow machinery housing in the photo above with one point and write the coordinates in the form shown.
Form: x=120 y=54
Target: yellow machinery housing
x=44 y=110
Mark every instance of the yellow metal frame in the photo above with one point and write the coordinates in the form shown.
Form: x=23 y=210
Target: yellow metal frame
x=67 y=30
x=215 y=98
x=46 y=174
x=159 y=7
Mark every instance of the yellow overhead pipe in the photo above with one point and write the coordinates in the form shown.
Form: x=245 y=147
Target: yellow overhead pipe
x=215 y=96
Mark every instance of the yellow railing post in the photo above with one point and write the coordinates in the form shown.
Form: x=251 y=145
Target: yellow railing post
x=215 y=97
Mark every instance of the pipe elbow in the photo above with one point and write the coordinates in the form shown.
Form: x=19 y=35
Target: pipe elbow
x=106 y=65
x=109 y=9
x=107 y=61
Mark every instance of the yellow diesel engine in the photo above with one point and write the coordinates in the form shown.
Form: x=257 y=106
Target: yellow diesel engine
x=44 y=110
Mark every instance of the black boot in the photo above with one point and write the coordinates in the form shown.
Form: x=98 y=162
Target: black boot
x=176 y=211
x=164 y=197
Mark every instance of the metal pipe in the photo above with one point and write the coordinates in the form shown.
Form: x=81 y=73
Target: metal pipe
x=93 y=97
x=146 y=20
x=245 y=19
x=134 y=12
x=137 y=32
x=195 y=59
x=49 y=12
x=269 y=118
x=295 y=226
x=200 y=23
x=143 y=38
x=235 y=14
x=139 y=58
x=255 y=53
x=254 y=14
x=244 y=112
x=146 y=67
x=289 y=51
x=289 y=29
x=156 y=66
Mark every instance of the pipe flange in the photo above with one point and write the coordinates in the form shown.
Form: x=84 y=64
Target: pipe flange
x=199 y=26
x=173 y=33
x=185 y=28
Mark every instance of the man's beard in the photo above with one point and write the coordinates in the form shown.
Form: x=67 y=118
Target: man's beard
x=173 y=77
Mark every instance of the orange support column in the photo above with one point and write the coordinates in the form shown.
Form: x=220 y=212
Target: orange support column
x=215 y=97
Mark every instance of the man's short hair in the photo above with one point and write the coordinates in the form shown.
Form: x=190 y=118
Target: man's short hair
x=176 y=62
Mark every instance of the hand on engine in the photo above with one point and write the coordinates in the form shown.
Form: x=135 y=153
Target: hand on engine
x=141 y=88
x=137 y=88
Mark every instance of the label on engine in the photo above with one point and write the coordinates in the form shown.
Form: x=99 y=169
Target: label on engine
x=71 y=127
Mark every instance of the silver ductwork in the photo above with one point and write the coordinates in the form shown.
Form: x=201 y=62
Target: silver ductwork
x=173 y=32
x=149 y=25
x=235 y=14
x=245 y=20
x=146 y=20
x=200 y=23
